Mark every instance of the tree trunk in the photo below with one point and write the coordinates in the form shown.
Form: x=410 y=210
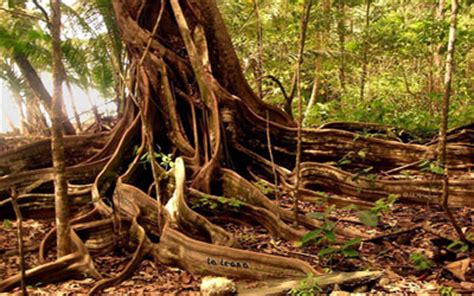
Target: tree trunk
x=38 y=88
x=35 y=118
x=24 y=129
x=74 y=108
x=259 y=66
x=437 y=80
x=299 y=61
x=365 y=52
x=341 y=32
x=448 y=77
x=63 y=228
x=321 y=41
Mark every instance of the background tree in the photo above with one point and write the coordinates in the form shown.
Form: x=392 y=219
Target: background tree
x=445 y=117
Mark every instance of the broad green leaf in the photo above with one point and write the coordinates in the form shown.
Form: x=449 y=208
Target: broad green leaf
x=330 y=236
x=369 y=218
x=352 y=242
x=327 y=251
x=310 y=236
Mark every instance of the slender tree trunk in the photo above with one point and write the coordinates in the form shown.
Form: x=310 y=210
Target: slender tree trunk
x=95 y=111
x=74 y=107
x=19 y=221
x=63 y=227
x=341 y=32
x=315 y=90
x=259 y=68
x=321 y=41
x=24 y=130
x=437 y=80
x=448 y=77
x=12 y=126
x=38 y=88
x=304 y=26
x=35 y=117
x=294 y=82
x=365 y=52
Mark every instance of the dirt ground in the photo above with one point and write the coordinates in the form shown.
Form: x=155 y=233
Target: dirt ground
x=390 y=253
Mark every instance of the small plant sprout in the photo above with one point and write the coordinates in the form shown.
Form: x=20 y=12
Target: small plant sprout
x=307 y=287
x=420 y=262
x=371 y=217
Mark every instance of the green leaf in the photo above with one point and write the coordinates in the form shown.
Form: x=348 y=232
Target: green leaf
x=310 y=236
x=329 y=225
x=368 y=218
x=144 y=156
x=330 y=236
x=7 y=224
x=362 y=154
x=235 y=203
x=349 y=253
x=327 y=251
x=315 y=215
x=434 y=168
x=462 y=246
x=352 y=242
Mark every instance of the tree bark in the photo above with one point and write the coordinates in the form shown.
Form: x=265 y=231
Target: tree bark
x=448 y=77
x=365 y=52
x=321 y=41
x=259 y=66
x=302 y=41
x=77 y=118
x=341 y=32
x=63 y=228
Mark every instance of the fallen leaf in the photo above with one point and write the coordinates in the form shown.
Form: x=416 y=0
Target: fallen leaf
x=459 y=268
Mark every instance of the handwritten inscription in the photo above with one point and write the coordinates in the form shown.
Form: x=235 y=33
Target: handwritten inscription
x=420 y=195
x=227 y=263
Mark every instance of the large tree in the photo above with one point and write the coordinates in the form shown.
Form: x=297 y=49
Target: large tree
x=188 y=101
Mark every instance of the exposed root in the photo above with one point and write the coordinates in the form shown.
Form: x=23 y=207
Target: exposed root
x=76 y=264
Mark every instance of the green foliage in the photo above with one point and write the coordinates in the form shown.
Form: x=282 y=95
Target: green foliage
x=325 y=232
x=402 y=38
x=371 y=217
x=165 y=160
x=458 y=246
x=447 y=291
x=263 y=187
x=432 y=167
x=7 y=224
x=206 y=201
x=307 y=287
x=325 y=235
x=420 y=262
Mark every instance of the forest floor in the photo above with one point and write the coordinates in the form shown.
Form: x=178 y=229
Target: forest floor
x=445 y=270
